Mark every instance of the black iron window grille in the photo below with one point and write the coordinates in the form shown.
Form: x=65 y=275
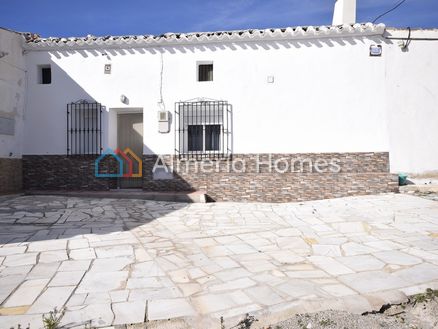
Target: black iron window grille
x=84 y=128
x=203 y=129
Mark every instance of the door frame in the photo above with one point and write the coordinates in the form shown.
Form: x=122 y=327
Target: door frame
x=113 y=138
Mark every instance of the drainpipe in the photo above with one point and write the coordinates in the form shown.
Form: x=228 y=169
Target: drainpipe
x=345 y=12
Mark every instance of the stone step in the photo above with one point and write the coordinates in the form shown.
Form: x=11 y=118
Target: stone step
x=185 y=197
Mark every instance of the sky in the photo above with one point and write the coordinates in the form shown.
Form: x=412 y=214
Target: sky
x=124 y=17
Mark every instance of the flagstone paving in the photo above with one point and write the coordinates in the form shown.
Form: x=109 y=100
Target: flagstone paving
x=105 y=260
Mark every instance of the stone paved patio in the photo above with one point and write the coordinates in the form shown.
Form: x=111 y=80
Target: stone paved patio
x=103 y=259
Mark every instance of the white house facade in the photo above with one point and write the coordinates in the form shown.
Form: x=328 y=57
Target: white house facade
x=255 y=115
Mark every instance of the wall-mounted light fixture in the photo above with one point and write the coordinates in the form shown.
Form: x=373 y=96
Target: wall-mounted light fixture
x=107 y=69
x=124 y=99
x=3 y=54
x=376 y=50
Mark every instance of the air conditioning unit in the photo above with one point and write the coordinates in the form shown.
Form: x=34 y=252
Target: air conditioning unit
x=163 y=122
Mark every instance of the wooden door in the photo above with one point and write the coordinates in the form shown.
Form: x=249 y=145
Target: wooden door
x=130 y=134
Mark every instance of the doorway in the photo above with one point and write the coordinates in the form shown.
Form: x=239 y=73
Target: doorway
x=130 y=135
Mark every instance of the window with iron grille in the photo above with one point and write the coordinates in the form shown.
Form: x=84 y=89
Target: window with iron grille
x=84 y=128
x=203 y=129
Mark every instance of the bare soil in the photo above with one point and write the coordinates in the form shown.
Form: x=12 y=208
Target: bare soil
x=420 y=312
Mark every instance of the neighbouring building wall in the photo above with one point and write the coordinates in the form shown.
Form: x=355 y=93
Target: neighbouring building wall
x=12 y=104
x=411 y=77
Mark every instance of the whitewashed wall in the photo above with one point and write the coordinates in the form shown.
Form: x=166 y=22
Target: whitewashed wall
x=328 y=95
x=12 y=92
x=412 y=102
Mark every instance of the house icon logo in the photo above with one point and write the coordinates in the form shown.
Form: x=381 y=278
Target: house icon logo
x=125 y=159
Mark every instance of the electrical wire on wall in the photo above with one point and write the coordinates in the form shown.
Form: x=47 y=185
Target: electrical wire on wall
x=161 y=104
x=389 y=11
x=408 y=41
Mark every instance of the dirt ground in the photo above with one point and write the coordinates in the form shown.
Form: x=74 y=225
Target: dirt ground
x=420 y=312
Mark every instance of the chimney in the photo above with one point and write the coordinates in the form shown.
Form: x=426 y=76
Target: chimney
x=345 y=12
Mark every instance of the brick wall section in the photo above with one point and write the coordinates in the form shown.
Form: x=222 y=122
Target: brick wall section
x=361 y=173
x=11 y=179
x=61 y=172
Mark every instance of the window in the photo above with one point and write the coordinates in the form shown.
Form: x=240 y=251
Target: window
x=84 y=128
x=204 y=137
x=205 y=72
x=203 y=129
x=44 y=74
x=195 y=137
x=212 y=135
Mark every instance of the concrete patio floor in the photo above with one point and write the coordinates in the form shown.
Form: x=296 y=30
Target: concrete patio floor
x=104 y=258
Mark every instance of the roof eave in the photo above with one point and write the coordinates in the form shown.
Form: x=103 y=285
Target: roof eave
x=171 y=39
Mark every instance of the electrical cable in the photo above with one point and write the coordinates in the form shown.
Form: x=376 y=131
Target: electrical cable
x=408 y=40
x=389 y=11
x=161 y=102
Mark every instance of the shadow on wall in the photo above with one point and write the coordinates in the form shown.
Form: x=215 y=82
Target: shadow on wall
x=254 y=45
x=49 y=166
x=57 y=171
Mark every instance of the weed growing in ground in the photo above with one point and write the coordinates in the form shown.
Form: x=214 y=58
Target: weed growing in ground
x=246 y=323
x=326 y=323
x=426 y=296
x=53 y=319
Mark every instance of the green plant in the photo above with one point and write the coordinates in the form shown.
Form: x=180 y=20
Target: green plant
x=247 y=322
x=326 y=322
x=426 y=296
x=53 y=319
